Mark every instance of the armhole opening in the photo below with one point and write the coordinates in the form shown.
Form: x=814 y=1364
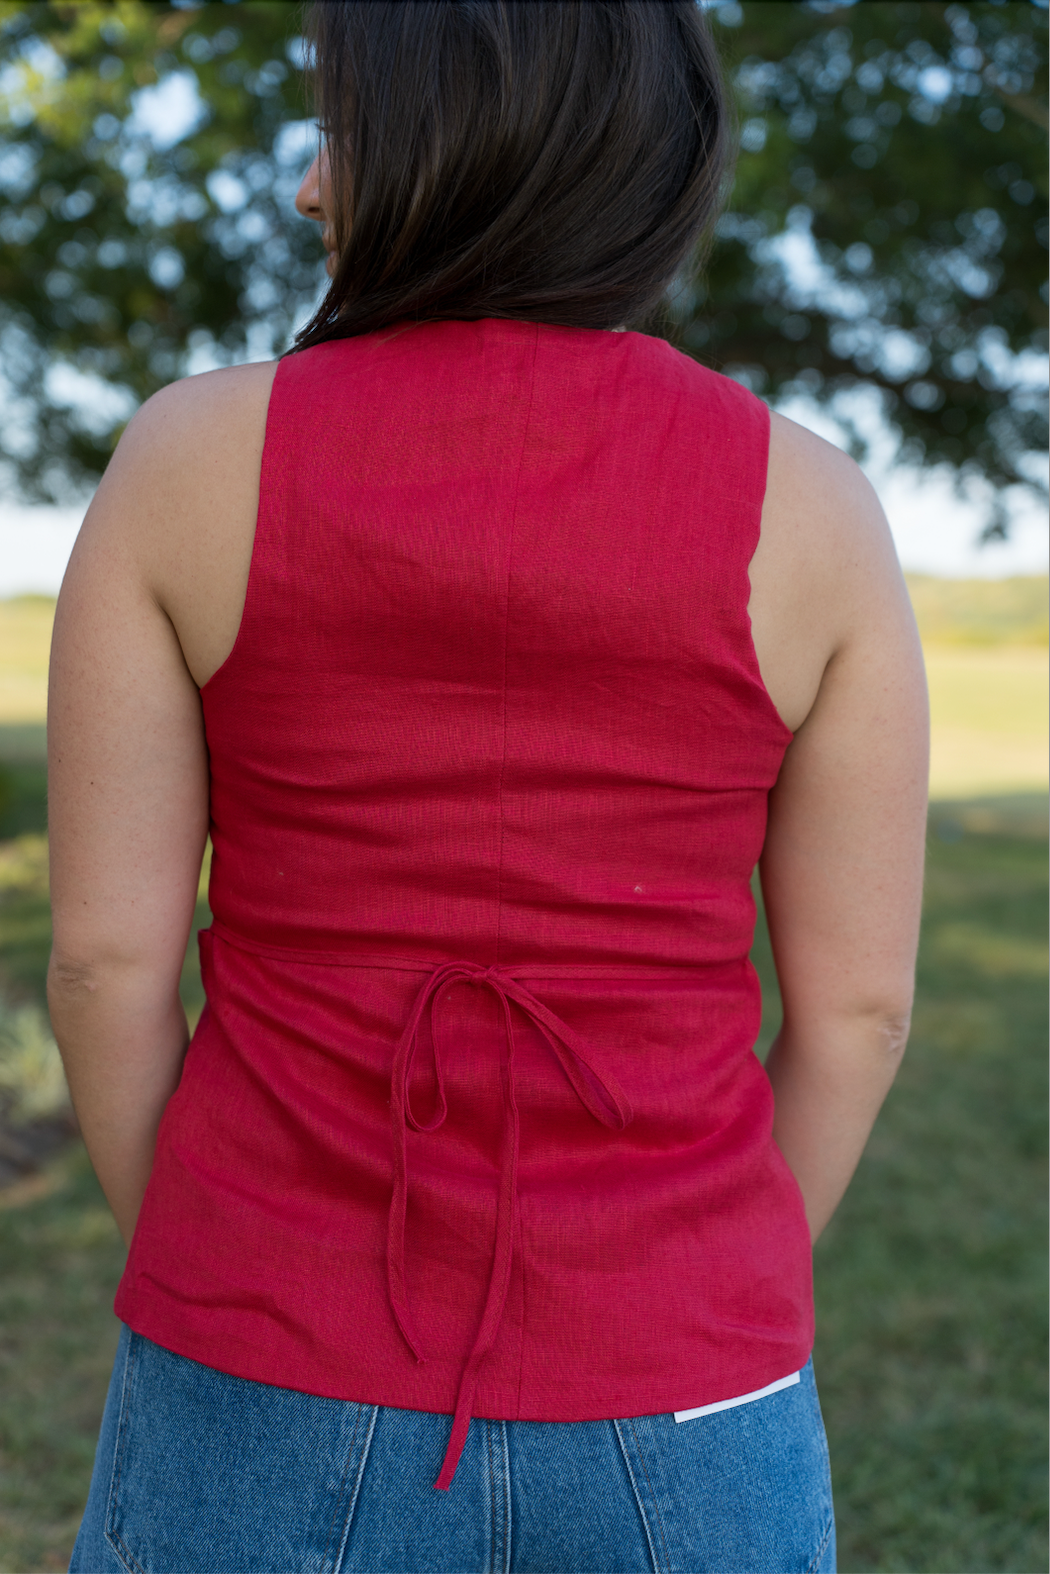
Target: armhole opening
x=252 y=565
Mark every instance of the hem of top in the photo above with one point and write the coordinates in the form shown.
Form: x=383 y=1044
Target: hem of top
x=599 y=1411
x=404 y=964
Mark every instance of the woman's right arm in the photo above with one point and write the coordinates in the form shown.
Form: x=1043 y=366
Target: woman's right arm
x=149 y=609
x=843 y=860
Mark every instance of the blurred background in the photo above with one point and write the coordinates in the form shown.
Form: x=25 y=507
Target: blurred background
x=880 y=276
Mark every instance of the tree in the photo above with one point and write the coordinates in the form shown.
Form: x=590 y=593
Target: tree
x=903 y=142
x=121 y=257
x=907 y=143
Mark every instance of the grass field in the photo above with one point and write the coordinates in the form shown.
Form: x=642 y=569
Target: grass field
x=931 y=1279
x=989 y=711
x=931 y=1338
x=25 y=640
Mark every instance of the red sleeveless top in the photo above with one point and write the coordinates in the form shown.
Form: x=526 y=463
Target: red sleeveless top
x=472 y=1121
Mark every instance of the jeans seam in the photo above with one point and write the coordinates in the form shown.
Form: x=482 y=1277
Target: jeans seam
x=819 y=1554
x=507 y=1524
x=342 y=1484
x=121 y=1551
x=492 y=1499
x=637 y=1495
x=499 y=1502
x=652 y=1489
x=351 y=1507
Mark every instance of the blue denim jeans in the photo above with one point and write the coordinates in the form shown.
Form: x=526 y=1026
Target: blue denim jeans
x=201 y=1473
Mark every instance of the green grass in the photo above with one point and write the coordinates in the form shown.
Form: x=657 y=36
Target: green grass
x=61 y=1258
x=25 y=918
x=981 y=611
x=930 y=1281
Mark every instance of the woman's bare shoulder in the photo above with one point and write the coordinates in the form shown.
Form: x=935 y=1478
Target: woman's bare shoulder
x=214 y=388
x=816 y=491
x=824 y=567
x=204 y=411
x=179 y=501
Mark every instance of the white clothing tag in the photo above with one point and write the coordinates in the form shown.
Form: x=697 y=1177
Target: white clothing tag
x=745 y=1399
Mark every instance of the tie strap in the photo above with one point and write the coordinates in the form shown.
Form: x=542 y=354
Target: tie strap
x=600 y=1095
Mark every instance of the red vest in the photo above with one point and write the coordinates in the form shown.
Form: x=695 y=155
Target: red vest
x=472 y=1121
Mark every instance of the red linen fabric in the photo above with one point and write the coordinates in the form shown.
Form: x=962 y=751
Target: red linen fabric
x=475 y=1081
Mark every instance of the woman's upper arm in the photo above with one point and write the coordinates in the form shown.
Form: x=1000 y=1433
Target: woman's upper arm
x=153 y=589
x=842 y=865
x=127 y=766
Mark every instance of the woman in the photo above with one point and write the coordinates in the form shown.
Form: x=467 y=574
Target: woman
x=486 y=639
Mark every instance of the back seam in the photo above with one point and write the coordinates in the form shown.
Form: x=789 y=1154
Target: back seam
x=506 y=632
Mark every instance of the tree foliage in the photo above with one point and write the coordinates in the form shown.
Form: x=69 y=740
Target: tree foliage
x=887 y=227
x=120 y=257
x=903 y=147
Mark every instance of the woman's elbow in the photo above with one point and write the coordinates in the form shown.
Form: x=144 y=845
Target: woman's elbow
x=891 y=1030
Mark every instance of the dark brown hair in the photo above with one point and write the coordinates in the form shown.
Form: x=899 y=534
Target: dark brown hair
x=552 y=160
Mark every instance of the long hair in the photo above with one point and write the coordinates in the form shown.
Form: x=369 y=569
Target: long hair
x=549 y=160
